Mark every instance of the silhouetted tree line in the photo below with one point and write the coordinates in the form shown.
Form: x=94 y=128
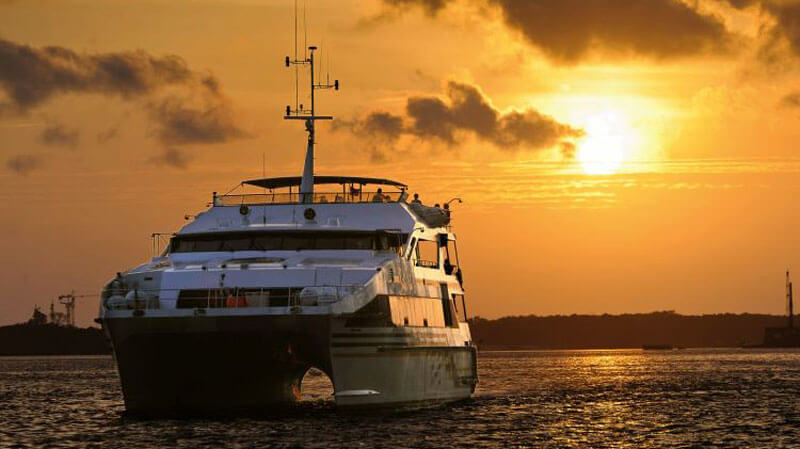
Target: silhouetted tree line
x=621 y=331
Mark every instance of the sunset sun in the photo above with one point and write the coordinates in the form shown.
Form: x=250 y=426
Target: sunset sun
x=608 y=142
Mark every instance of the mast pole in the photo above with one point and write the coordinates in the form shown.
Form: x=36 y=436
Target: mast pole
x=310 y=117
x=307 y=182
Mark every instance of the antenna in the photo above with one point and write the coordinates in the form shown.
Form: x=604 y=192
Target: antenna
x=309 y=116
x=296 y=68
x=305 y=30
x=789 y=300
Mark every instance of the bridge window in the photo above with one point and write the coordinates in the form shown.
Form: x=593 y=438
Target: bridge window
x=267 y=242
x=288 y=241
x=297 y=242
x=237 y=244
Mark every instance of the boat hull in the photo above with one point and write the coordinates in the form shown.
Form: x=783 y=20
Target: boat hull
x=404 y=376
x=200 y=365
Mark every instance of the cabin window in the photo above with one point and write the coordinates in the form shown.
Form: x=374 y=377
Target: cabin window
x=206 y=245
x=460 y=305
x=329 y=242
x=237 y=244
x=266 y=243
x=451 y=257
x=182 y=246
x=427 y=254
x=288 y=241
x=297 y=242
x=360 y=242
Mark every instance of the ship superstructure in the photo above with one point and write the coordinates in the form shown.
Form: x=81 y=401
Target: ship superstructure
x=340 y=273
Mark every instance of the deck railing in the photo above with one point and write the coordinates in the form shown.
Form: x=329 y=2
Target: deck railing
x=316 y=198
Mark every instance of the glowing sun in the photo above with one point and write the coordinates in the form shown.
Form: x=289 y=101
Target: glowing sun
x=607 y=144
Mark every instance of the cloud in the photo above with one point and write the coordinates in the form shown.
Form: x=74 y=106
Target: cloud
x=466 y=111
x=791 y=100
x=431 y=7
x=568 y=150
x=569 y=30
x=184 y=106
x=173 y=157
x=108 y=134
x=22 y=164
x=182 y=119
x=380 y=125
x=32 y=76
x=786 y=29
x=787 y=15
x=59 y=135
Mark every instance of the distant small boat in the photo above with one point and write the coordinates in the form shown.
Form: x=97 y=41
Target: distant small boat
x=657 y=347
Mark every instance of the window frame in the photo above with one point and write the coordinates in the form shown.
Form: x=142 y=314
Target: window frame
x=425 y=263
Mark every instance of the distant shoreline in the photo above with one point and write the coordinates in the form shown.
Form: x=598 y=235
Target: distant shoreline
x=515 y=333
x=626 y=331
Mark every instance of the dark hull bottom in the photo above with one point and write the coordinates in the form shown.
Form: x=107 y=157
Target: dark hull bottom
x=207 y=366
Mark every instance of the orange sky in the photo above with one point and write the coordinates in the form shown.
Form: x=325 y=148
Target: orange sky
x=627 y=159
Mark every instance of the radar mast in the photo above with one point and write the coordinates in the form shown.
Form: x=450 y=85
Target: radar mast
x=309 y=115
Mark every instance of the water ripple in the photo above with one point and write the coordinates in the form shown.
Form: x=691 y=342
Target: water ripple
x=548 y=399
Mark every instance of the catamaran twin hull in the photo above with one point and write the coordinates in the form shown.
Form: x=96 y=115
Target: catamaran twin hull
x=245 y=299
x=212 y=364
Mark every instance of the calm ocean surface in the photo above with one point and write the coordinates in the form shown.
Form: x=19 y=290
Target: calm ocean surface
x=687 y=398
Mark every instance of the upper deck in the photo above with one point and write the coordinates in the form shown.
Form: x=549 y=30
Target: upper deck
x=337 y=189
x=352 y=203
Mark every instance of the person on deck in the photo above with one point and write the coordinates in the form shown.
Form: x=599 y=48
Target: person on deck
x=378 y=197
x=416 y=199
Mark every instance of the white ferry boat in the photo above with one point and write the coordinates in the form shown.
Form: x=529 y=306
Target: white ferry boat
x=339 y=273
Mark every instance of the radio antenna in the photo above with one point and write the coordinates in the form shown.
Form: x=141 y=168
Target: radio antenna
x=296 y=73
x=305 y=30
x=309 y=116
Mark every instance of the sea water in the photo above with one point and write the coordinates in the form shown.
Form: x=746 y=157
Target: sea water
x=593 y=399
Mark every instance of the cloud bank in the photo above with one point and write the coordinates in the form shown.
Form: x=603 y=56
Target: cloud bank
x=568 y=30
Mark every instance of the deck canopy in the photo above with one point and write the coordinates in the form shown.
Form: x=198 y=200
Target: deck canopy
x=294 y=181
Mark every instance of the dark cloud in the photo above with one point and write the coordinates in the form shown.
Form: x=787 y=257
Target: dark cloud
x=568 y=150
x=31 y=76
x=791 y=100
x=107 y=135
x=466 y=111
x=568 y=30
x=741 y=4
x=186 y=107
x=173 y=157
x=59 y=135
x=431 y=7
x=186 y=120
x=22 y=164
x=787 y=15
x=786 y=30
x=379 y=125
